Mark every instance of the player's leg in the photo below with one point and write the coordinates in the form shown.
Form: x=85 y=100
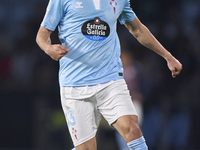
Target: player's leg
x=129 y=129
x=81 y=115
x=120 y=141
x=117 y=108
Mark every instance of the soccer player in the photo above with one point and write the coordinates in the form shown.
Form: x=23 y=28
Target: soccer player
x=91 y=72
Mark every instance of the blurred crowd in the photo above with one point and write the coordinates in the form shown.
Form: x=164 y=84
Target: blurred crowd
x=30 y=111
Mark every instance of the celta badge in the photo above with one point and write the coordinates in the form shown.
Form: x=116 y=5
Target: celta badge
x=114 y=4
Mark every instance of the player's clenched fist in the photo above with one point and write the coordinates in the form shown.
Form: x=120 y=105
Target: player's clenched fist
x=56 y=51
x=175 y=66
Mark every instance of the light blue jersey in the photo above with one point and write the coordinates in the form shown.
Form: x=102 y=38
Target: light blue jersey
x=88 y=30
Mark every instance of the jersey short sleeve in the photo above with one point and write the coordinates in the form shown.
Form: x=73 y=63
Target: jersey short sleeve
x=53 y=15
x=127 y=14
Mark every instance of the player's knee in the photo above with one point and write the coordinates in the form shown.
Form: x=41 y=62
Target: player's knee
x=132 y=132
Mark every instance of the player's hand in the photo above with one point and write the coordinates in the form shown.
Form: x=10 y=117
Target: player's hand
x=175 y=66
x=56 y=52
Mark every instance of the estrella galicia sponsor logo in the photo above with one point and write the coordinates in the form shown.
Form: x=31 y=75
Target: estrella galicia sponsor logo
x=96 y=29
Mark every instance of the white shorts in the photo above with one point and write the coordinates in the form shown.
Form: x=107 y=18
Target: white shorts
x=83 y=107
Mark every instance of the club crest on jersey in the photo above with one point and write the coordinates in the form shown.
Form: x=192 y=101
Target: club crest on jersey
x=114 y=4
x=96 y=29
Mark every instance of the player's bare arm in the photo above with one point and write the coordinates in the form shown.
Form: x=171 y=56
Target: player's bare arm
x=55 y=51
x=144 y=36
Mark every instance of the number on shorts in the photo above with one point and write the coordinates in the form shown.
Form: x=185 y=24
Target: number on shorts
x=70 y=118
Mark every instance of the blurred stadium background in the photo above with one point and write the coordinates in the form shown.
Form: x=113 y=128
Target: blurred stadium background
x=30 y=113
